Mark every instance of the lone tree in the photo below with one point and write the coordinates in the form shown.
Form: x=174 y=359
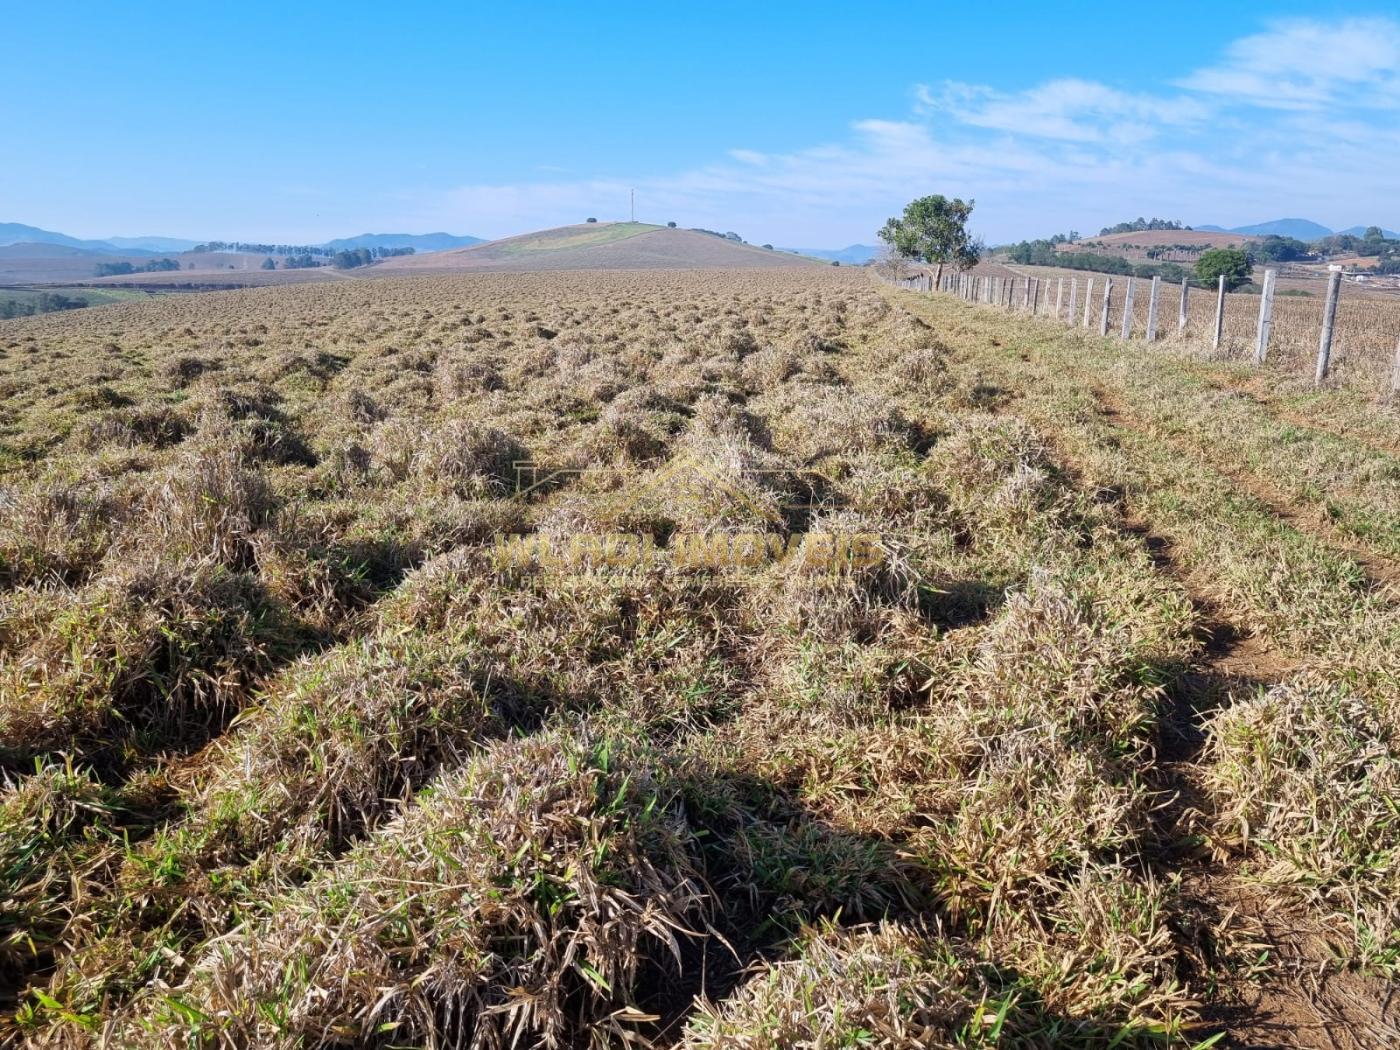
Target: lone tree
x=933 y=229
x=1232 y=262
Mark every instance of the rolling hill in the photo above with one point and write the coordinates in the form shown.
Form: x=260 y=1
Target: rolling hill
x=19 y=233
x=48 y=263
x=1162 y=245
x=1157 y=238
x=152 y=244
x=1360 y=231
x=598 y=246
x=1303 y=229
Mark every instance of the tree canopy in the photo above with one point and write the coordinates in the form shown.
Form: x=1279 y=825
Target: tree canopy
x=933 y=229
x=1279 y=249
x=1140 y=225
x=1232 y=262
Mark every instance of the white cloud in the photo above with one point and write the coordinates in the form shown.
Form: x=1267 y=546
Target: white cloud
x=1068 y=108
x=1307 y=64
x=1245 y=140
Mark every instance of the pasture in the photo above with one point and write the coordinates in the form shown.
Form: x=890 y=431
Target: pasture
x=1094 y=743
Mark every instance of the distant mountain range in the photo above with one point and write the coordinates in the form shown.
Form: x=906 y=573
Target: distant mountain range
x=855 y=254
x=152 y=244
x=19 y=233
x=1302 y=229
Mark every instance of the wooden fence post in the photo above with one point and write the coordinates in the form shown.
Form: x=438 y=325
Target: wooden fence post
x=1266 y=318
x=1219 y=313
x=1395 y=375
x=1035 y=297
x=1151 y=333
x=1088 y=300
x=1181 y=309
x=1128 y=311
x=1329 y=320
x=1059 y=295
x=1073 y=300
x=1103 y=313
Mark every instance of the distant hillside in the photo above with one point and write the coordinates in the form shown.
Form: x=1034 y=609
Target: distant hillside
x=1152 y=238
x=152 y=244
x=598 y=246
x=59 y=263
x=422 y=242
x=19 y=233
x=1303 y=229
x=1360 y=231
x=854 y=254
x=33 y=250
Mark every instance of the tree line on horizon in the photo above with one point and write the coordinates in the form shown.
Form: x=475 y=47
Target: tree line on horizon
x=346 y=259
x=117 y=269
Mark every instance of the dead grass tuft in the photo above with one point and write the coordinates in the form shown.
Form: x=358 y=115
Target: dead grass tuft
x=521 y=900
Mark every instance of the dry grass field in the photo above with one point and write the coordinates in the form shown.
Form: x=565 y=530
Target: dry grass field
x=1092 y=743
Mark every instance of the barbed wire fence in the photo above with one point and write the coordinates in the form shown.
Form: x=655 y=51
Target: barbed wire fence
x=1342 y=339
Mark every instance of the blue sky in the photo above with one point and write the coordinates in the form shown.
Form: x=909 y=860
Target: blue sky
x=798 y=124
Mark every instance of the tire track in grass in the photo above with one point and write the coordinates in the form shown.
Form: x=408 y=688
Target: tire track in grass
x=1298 y=1000
x=1298 y=1003
x=1249 y=387
x=1380 y=572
